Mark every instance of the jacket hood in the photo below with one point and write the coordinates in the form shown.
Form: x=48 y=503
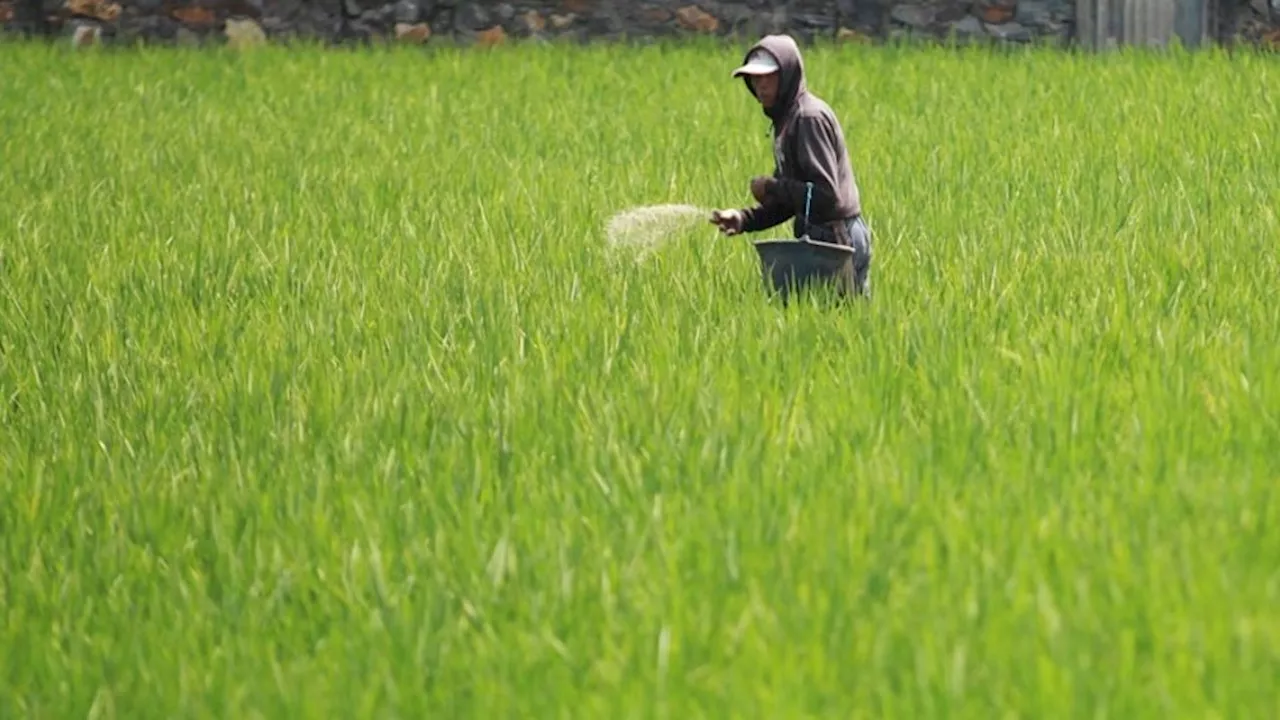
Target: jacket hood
x=791 y=82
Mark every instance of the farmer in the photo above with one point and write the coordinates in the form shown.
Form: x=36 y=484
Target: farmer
x=808 y=147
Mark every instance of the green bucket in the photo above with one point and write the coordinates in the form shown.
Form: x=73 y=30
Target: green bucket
x=790 y=266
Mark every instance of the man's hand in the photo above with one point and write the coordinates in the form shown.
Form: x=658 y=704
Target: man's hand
x=729 y=221
x=760 y=187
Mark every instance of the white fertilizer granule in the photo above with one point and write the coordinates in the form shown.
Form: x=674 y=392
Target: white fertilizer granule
x=641 y=230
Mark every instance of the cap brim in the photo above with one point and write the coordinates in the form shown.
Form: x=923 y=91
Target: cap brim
x=755 y=68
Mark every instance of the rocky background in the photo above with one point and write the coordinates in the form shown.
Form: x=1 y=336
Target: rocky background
x=247 y=22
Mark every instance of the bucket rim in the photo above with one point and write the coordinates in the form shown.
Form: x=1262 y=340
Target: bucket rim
x=802 y=242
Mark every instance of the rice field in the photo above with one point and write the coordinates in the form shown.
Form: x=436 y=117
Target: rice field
x=324 y=393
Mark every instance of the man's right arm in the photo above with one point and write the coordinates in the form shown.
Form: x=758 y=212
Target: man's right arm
x=763 y=217
x=772 y=211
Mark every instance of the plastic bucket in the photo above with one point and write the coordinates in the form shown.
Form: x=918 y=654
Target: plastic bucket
x=789 y=266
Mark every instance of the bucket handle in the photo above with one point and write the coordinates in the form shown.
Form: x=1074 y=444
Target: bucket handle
x=808 y=196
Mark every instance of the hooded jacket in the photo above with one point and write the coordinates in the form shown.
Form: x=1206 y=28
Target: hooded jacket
x=808 y=146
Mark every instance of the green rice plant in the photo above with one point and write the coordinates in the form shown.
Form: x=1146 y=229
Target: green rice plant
x=322 y=393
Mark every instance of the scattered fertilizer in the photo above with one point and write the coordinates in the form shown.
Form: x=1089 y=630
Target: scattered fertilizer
x=642 y=230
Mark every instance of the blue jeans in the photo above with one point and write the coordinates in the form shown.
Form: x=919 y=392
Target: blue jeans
x=854 y=233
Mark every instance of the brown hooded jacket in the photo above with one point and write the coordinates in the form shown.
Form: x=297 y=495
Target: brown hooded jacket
x=808 y=146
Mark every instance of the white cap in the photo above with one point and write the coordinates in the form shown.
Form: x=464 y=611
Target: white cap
x=759 y=62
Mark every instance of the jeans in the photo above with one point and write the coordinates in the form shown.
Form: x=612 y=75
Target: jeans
x=854 y=233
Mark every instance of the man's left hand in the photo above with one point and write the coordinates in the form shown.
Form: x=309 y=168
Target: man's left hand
x=760 y=187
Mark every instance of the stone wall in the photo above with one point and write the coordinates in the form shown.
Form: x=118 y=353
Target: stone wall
x=479 y=22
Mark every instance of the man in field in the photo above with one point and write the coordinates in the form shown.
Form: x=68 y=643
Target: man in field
x=810 y=159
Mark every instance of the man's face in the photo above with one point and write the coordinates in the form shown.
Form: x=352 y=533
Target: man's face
x=766 y=88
